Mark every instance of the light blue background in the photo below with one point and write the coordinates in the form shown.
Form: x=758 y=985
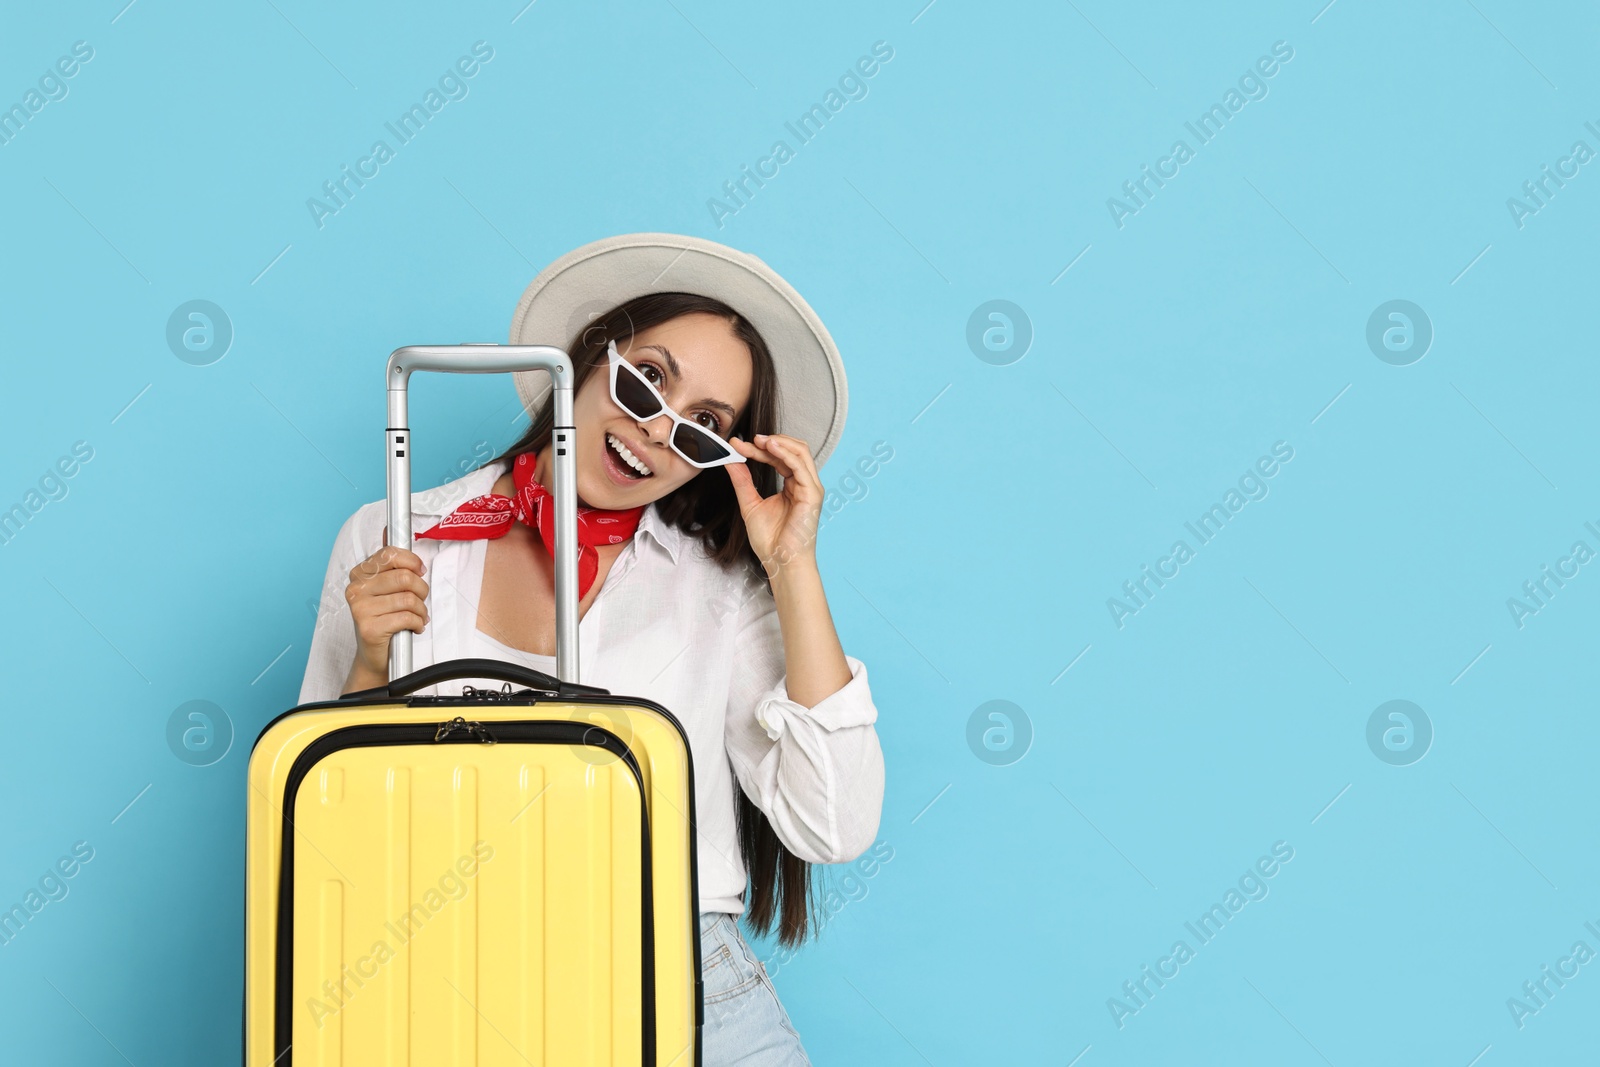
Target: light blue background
x=1228 y=314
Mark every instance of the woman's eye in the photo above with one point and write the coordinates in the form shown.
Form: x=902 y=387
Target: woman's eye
x=712 y=423
x=651 y=372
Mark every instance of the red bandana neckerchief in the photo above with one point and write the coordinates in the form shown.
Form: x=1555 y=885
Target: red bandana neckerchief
x=492 y=514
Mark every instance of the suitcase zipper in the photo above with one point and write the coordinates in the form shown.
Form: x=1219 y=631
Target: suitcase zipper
x=469 y=728
x=454 y=731
x=502 y=695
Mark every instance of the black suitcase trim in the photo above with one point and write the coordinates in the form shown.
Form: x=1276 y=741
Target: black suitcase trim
x=505 y=731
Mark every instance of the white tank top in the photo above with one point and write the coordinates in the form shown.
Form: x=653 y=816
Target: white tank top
x=485 y=647
x=479 y=645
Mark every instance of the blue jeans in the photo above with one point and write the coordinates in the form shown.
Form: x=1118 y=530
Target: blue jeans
x=745 y=1025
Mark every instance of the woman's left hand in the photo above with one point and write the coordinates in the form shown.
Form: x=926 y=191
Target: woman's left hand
x=782 y=527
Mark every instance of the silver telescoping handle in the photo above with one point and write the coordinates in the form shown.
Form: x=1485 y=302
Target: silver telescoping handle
x=491 y=359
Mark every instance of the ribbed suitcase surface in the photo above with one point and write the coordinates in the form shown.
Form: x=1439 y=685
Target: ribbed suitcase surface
x=423 y=900
x=408 y=957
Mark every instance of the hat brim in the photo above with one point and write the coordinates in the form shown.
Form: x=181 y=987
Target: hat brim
x=591 y=280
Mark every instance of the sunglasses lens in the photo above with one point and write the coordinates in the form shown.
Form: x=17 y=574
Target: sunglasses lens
x=698 y=446
x=634 y=395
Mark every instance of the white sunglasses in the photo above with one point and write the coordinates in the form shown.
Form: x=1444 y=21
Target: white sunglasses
x=634 y=394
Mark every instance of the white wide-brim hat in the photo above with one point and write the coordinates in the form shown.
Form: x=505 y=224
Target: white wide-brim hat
x=589 y=281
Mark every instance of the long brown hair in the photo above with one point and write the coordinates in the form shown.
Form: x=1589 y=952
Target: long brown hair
x=706 y=508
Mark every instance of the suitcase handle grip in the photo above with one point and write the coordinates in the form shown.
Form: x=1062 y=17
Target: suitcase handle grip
x=491 y=359
x=476 y=668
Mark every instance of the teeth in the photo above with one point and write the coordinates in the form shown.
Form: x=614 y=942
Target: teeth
x=632 y=460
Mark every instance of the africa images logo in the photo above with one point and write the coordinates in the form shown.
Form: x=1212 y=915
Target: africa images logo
x=452 y=886
x=1137 y=993
x=852 y=85
x=1252 y=85
x=452 y=85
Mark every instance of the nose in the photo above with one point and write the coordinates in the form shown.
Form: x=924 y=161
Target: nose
x=656 y=430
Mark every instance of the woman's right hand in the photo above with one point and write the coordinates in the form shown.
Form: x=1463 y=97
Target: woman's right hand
x=386 y=595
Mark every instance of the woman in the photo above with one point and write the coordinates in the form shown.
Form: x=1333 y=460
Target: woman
x=708 y=601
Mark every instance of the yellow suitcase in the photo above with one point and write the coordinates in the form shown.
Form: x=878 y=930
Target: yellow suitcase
x=505 y=877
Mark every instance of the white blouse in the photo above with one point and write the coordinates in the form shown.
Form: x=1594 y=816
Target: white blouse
x=671 y=625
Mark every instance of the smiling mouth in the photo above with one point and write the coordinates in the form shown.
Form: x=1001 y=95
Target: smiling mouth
x=625 y=461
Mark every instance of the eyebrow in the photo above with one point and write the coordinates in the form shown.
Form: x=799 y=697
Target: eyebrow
x=677 y=372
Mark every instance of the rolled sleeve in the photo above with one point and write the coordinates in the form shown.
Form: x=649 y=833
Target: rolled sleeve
x=816 y=773
x=849 y=705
